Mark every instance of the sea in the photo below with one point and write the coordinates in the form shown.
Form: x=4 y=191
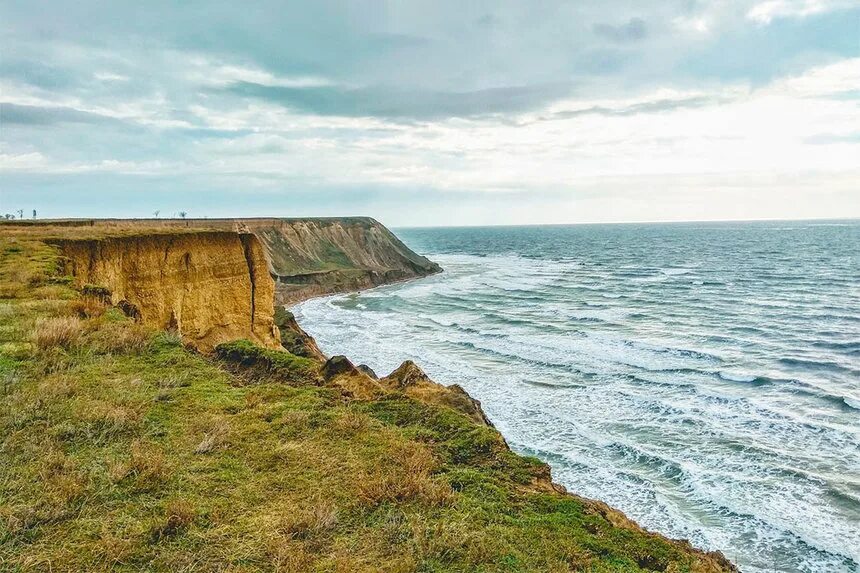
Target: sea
x=704 y=378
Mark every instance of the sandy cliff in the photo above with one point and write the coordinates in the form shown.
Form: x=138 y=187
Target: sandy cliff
x=312 y=257
x=210 y=286
x=307 y=257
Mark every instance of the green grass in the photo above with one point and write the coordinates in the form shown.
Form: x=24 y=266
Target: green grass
x=257 y=361
x=122 y=450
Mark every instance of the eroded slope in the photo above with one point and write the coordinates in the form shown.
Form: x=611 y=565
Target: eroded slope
x=209 y=286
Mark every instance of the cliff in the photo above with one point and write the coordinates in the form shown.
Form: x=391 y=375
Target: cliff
x=209 y=286
x=306 y=257
x=313 y=257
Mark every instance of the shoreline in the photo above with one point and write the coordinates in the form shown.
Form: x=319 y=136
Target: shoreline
x=231 y=404
x=615 y=515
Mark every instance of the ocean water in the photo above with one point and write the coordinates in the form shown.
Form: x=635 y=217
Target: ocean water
x=704 y=378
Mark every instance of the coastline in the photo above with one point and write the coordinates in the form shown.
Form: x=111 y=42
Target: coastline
x=614 y=515
x=394 y=465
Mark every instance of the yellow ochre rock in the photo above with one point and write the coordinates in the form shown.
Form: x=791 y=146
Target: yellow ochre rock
x=209 y=286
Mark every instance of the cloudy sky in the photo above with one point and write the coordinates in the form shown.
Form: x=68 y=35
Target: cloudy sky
x=432 y=113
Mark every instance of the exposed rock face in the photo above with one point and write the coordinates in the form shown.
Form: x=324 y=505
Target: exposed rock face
x=312 y=257
x=412 y=381
x=309 y=257
x=339 y=371
x=210 y=286
x=294 y=338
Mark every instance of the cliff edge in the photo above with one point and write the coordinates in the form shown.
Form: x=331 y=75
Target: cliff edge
x=306 y=257
x=208 y=286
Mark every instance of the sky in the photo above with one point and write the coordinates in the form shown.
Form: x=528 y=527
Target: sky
x=432 y=113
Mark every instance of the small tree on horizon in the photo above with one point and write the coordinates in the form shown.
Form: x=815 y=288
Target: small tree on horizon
x=182 y=214
x=34 y=213
x=20 y=213
x=156 y=213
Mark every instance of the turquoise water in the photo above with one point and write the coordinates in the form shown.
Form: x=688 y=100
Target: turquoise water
x=703 y=378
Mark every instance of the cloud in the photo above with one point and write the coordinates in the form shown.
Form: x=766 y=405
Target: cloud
x=633 y=31
x=406 y=101
x=646 y=107
x=770 y=10
x=487 y=21
x=833 y=138
x=401 y=104
x=14 y=114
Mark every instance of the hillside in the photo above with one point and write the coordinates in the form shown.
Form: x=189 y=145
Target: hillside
x=124 y=449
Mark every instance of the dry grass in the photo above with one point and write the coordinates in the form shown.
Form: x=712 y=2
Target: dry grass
x=409 y=479
x=287 y=556
x=146 y=465
x=52 y=292
x=63 y=481
x=103 y=420
x=120 y=337
x=61 y=331
x=316 y=518
x=214 y=438
x=88 y=307
x=57 y=387
x=179 y=514
x=351 y=422
x=174 y=381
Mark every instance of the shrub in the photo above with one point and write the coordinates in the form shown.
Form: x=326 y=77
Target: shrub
x=63 y=332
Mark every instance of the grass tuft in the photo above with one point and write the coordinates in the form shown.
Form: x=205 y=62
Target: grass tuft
x=146 y=467
x=57 y=332
x=178 y=516
x=214 y=438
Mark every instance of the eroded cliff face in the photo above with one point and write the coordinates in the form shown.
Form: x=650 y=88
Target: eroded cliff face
x=308 y=257
x=210 y=286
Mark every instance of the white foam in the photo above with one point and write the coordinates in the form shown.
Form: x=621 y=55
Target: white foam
x=733 y=377
x=738 y=467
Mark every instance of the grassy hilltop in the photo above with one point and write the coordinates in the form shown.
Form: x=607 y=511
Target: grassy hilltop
x=123 y=450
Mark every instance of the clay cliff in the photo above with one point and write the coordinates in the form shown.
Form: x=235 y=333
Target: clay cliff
x=306 y=257
x=313 y=257
x=209 y=286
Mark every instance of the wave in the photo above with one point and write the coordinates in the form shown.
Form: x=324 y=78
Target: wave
x=711 y=395
x=737 y=377
x=830 y=365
